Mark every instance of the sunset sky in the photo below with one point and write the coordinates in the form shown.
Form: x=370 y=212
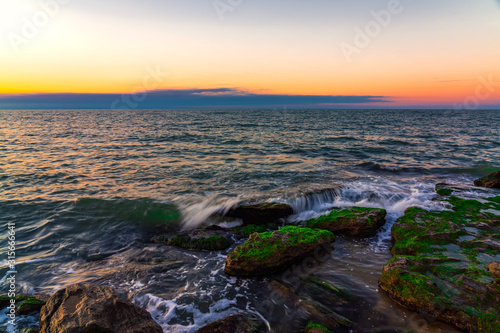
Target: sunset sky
x=202 y=53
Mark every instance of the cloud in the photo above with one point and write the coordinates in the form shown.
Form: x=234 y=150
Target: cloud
x=181 y=98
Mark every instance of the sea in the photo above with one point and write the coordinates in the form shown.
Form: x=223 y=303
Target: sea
x=88 y=189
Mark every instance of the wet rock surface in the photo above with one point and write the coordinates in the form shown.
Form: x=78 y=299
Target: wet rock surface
x=237 y=323
x=261 y=213
x=441 y=260
x=490 y=181
x=86 y=308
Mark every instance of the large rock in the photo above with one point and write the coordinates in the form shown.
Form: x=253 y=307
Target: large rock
x=440 y=264
x=85 y=308
x=237 y=323
x=269 y=252
x=355 y=221
x=261 y=213
x=490 y=181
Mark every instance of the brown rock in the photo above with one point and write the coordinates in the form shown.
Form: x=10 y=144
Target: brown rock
x=85 y=308
x=494 y=268
x=490 y=181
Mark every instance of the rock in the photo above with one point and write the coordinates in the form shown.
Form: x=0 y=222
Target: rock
x=86 y=308
x=270 y=252
x=200 y=240
x=33 y=329
x=25 y=305
x=315 y=310
x=261 y=213
x=237 y=323
x=444 y=190
x=30 y=305
x=355 y=221
x=494 y=268
x=439 y=266
x=316 y=328
x=490 y=181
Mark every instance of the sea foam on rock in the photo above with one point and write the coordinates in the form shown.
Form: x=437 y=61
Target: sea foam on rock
x=354 y=221
x=440 y=264
x=86 y=308
x=269 y=252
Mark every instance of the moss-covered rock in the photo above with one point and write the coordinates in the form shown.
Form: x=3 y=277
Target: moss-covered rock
x=440 y=263
x=235 y=323
x=25 y=304
x=273 y=251
x=29 y=305
x=490 y=181
x=355 y=221
x=316 y=328
x=200 y=240
x=262 y=213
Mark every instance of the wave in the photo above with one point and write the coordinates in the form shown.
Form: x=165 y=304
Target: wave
x=139 y=210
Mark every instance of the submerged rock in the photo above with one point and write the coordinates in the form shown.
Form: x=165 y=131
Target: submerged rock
x=355 y=221
x=311 y=308
x=490 y=181
x=86 y=308
x=440 y=264
x=269 y=252
x=200 y=240
x=261 y=213
x=237 y=323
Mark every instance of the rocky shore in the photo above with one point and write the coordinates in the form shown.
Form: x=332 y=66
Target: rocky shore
x=446 y=265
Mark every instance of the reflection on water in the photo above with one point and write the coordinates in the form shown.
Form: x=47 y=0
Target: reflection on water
x=88 y=189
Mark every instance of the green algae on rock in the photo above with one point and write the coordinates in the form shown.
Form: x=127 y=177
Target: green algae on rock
x=269 y=252
x=440 y=263
x=30 y=305
x=354 y=221
x=316 y=328
x=490 y=181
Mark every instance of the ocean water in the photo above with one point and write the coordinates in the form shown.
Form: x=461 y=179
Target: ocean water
x=87 y=190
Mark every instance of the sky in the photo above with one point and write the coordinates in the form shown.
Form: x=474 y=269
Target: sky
x=123 y=54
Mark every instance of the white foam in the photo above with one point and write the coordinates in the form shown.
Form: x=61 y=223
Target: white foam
x=196 y=213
